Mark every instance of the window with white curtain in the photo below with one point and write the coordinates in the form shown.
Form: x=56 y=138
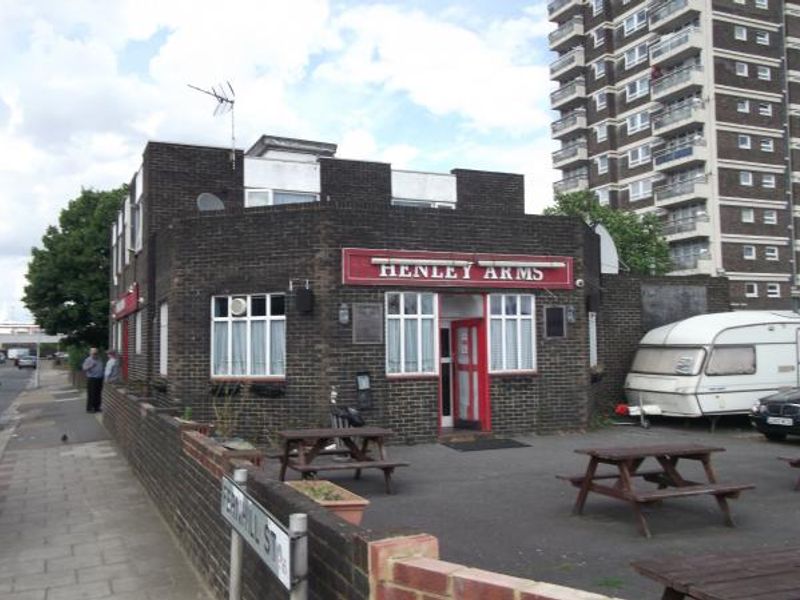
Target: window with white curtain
x=411 y=338
x=163 y=327
x=248 y=335
x=512 y=335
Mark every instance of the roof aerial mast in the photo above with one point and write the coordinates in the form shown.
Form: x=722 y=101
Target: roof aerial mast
x=225 y=103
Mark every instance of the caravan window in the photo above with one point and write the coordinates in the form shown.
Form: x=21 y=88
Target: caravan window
x=732 y=360
x=668 y=361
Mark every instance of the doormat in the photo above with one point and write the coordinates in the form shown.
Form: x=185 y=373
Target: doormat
x=485 y=444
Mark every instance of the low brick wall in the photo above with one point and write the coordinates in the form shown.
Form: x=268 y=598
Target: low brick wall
x=181 y=467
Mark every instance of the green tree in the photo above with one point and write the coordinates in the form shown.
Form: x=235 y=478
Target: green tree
x=67 y=289
x=640 y=242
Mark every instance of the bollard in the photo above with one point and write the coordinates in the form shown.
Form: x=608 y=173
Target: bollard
x=235 y=583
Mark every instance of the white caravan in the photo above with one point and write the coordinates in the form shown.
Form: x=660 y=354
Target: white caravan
x=715 y=364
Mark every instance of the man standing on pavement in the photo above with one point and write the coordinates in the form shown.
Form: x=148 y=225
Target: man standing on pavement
x=93 y=369
x=112 y=367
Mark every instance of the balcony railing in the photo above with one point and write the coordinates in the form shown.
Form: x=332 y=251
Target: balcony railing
x=674 y=79
x=570 y=58
x=672 y=189
x=569 y=120
x=661 y=12
x=566 y=90
x=690 y=261
x=677 y=151
x=672 y=43
x=575 y=180
x=683 y=225
x=677 y=112
x=565 y=30
x=556 y=5
x=569 y=150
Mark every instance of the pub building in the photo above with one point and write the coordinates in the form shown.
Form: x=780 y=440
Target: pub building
x=284 y=278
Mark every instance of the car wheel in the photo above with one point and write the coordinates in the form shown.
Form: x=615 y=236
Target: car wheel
x=775 y=437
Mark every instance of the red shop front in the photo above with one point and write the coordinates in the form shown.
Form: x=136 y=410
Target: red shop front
x=122 y=307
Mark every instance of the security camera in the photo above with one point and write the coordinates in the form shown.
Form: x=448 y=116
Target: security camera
x=579 y=283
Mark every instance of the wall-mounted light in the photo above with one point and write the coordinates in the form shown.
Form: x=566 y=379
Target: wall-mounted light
x=344 y=314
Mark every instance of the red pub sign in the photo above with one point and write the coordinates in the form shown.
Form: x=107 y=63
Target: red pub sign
x=127 y=303
x=364 y=266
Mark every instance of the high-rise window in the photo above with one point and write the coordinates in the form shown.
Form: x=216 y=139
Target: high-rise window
x=762 y=37
x=771 y=253
x=748 y=215
x=745 y=178
x=751 y=290
x=773 y=290
x=740 y=33
x=743 y=141
x=764 y=73
x=768 y=180
x=765 y=109
x=749 y=252
x=767 y=145
x=743 y=106
x=770 y=217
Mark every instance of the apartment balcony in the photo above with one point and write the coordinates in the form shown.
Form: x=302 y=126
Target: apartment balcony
x=570 y=123
x=568 y=34
x=678 y=192
x=568 y=65
x=684 y=229
x=667 y=15
x=571 y=155
x=679 y=117
x=682 y=82
x=569 y=94
x=681 y=155
x=696 y=264
x=572 y=183
x=558 y=10
x=676 y=47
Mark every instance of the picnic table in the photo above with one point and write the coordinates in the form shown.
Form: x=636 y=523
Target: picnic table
x=752 y=575
x=358 y=447
x=670 y=483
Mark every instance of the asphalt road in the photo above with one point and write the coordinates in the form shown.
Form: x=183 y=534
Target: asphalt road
x=12 y=382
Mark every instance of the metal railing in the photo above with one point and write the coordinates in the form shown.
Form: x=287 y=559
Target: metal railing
x=569 y=150
x=674 y=79
x=674 y=41
x=683 y=225
x=688 y=262
x=681 y=150
x=566 y=90
x=566 y=60
x=568 y=120
x=557 y=5
x=672 y=189
x=665 y=9
x=565 y=29
x=575 y=180
x=677 y=112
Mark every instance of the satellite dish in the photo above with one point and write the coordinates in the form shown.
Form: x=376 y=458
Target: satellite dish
x=609 y=258
x=207 y=201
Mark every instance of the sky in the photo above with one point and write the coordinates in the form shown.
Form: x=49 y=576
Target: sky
x=423 y=84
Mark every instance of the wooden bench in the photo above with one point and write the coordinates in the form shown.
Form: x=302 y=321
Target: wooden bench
x=724 y=490
x=387 y=466
x=794 y=461
x=652 y=475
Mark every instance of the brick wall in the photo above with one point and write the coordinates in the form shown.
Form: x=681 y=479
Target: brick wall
x=180 y=467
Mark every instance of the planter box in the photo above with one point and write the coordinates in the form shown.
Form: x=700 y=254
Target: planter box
x=338 y=500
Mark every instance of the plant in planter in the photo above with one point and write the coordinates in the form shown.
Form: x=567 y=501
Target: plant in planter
x=338 y=500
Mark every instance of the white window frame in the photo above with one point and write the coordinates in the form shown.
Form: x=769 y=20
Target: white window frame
x=599 y=36
x=602 y=164
x=599 y=69
x=137 y=332
x=634 y=22
x=765 y=109
x=639 y=189
x=742 y=2
x=639 y=156
x=419 y=317
x=743 y=106
x=768 y=180
x=764 y=73
x=743 y=141
x=597 y=7
x=770 y=217
x=637 y=122
x=248 y=319
x=636 y=55
x=603 y=196
x=741 y=69
x=600 y=100
x=763 y=4
x=762 y=38
x=748 y=215
x=767 y=145
x=746 y=178
x=642 y=87
x=270 y=194
x=773 y=290
x=749 y=252
x=525 y=323
x=750 y=289
x=740 y=33
x=163 y=337
x=771 y=253
x=603 y=127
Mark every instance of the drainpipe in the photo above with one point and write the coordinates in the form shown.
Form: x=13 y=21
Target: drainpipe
x=789 y=164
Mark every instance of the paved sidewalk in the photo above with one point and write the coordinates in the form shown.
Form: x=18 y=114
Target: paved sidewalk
x=74 y=520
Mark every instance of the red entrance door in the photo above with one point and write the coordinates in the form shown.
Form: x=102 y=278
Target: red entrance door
x=124 y=353
x=470 y=385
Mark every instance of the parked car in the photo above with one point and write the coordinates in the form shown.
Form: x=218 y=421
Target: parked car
x=27 y=361
x=778 y=415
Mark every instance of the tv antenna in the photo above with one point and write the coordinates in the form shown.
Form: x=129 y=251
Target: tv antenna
x=225 y=102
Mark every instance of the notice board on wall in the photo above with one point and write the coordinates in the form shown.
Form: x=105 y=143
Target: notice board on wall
x=662 y=304
x=367 y=323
